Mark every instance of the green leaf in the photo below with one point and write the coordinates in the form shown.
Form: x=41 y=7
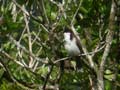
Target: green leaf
x=1 y=72
x=108 y=85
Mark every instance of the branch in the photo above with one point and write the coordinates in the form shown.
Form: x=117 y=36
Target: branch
x=11 y=58
x=109 y=39
x=76 y=12
x=109 y=36
x=83 y=54
x=41 y=2
x=22 y=8
x=31 y=62
x=47 y=77
x=25 y=50
x=8 y=71
x=84 y=49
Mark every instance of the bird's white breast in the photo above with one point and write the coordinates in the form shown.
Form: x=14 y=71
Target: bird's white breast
x=70 y=45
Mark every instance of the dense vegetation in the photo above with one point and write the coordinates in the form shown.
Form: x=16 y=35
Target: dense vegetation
x=32 y=51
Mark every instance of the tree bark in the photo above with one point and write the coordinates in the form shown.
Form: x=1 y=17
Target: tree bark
x=109 y=38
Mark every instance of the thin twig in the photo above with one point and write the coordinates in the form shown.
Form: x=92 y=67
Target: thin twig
x=24 y=49
x=21 y=7
x=47 y=77
x=31 y=62
x=41 y=2
x=84 y=49
x=76 y=12
x=84 y=54
x=11 y=58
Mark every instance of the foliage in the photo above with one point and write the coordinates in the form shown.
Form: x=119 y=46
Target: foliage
x=32 y=51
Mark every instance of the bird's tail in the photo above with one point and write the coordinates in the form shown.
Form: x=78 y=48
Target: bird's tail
x=78 y=63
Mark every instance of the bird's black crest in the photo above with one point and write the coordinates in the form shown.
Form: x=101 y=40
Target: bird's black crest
x=68 y=30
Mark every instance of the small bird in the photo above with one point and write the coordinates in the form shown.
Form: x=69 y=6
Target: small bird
x=71 y=45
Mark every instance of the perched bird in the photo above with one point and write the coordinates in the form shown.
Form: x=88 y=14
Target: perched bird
x=71 y=45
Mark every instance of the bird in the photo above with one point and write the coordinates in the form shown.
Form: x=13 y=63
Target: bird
x=72 y=47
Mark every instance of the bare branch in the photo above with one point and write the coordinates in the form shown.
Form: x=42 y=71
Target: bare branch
x=47 y=77
x=109 y=39
x=84 y=50
x=25 y=50
x=11 y=58
x=83 y=54
x=109 y=36
x=31 y=62
x=41 y=2
x=21 y=7
x=76 y=12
